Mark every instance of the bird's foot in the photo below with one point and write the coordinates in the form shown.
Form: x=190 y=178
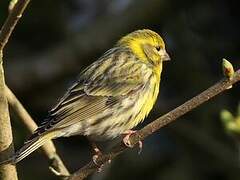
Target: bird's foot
x=95 y=157
x=127 y=143
x=97 y=154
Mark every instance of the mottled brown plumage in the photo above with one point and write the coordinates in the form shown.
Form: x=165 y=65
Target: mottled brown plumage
x=111 y=96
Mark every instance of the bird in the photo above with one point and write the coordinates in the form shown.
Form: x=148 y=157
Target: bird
x=110 y=97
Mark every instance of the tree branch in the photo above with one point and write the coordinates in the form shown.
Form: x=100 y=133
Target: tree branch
x=149 y=129
x=56 y=164
x=6 y=146
x=11 y=21
x=49 y=148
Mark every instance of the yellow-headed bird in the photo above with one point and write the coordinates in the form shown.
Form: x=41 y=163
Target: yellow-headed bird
x=111 y=96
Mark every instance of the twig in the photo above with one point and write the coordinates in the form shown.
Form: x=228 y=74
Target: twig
x=11 y=21
x=56 y=164
x=157 y=124
x=49 y=148
x=6 y=147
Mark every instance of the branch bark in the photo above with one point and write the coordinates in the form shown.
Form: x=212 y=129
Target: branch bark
x=56 y=164
x=6 y=146
x=149 y=129
x=11 y=21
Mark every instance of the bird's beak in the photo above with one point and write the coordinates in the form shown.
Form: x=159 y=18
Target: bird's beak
x=166 y=56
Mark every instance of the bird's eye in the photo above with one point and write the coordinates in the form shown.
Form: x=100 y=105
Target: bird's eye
x=158 y=48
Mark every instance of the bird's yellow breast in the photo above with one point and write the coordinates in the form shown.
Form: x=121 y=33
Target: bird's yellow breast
x=148 y=98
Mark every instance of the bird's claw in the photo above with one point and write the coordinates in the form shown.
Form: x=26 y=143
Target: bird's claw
x=100 y=166
x=95 y=157
x=128 y=143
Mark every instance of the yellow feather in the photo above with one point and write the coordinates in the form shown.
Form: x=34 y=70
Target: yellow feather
x=112 y=95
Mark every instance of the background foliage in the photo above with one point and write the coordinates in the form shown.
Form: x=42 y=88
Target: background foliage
x=56 y=39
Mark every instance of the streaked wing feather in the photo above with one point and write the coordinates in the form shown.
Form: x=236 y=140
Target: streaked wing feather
x=95 y=107
x=90 y=95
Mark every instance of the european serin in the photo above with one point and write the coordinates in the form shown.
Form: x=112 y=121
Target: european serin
x=111 y=96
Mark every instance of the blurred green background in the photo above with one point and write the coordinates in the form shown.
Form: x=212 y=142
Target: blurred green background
x=56 y=39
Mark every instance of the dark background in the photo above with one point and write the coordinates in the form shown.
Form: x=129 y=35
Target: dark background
x=56 y=39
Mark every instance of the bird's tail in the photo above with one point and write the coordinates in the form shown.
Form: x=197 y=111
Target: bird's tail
x=29 y=147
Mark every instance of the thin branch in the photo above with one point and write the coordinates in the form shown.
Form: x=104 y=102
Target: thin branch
x=11 y=21
x=49 y=149
x=206 y=95
x=56 y=164
x=6 y=146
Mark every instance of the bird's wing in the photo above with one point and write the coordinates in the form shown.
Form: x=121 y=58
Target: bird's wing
x=100 y=86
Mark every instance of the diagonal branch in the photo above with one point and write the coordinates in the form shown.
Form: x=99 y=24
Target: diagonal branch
x=56 y=164
x=11 y=21
x=49 y=149
x=149 y=129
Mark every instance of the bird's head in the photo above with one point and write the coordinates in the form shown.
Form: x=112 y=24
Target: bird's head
x=147 y=45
